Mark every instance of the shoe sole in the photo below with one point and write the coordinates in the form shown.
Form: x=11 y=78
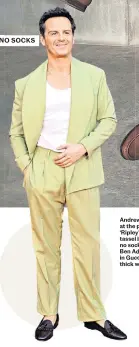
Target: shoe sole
x=124 y=147
x=76 y=4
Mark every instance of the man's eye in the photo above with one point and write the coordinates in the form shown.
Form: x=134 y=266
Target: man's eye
x=53 y=33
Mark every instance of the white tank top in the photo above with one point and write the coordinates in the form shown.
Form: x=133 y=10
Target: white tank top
x=56 y=118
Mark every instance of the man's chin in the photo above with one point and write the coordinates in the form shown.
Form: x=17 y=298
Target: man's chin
x=62 y=54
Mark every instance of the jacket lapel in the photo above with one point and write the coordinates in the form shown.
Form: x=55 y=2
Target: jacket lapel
x=81 y=107
x=33 y=107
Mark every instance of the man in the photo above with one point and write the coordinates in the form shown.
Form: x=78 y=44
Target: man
x=56 y=109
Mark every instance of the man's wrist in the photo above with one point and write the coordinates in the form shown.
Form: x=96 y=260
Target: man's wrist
x=84 y=151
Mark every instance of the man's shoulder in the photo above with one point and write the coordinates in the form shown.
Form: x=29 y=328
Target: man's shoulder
x=91 y=68
x=21 y=82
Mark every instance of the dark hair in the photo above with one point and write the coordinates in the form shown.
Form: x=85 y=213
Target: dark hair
x=57 y=12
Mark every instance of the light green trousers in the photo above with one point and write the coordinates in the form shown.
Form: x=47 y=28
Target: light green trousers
x=46 y=193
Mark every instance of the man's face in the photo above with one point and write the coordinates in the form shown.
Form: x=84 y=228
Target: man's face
x=58 y=37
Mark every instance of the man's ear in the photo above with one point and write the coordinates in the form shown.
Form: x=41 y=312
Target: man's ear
x=42 y=41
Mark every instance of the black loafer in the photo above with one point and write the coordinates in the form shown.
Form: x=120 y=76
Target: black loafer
x=45 y=329
x=109 y=330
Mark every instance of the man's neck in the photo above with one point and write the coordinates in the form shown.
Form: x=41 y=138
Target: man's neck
x=59 y=64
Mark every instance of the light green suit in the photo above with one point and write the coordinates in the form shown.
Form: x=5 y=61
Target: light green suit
x=48 y=186
x=91 y=102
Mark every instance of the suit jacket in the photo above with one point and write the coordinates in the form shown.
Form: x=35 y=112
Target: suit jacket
x=92 y=120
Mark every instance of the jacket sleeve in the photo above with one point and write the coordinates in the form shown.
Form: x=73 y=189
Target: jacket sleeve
x=16 y=132
x=105 y=116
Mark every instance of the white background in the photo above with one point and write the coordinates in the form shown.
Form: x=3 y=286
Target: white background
x=120 y=285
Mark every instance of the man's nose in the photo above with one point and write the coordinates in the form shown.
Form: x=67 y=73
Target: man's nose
x=61 y=36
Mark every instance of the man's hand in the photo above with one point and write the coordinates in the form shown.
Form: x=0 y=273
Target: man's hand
x=72 y=153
